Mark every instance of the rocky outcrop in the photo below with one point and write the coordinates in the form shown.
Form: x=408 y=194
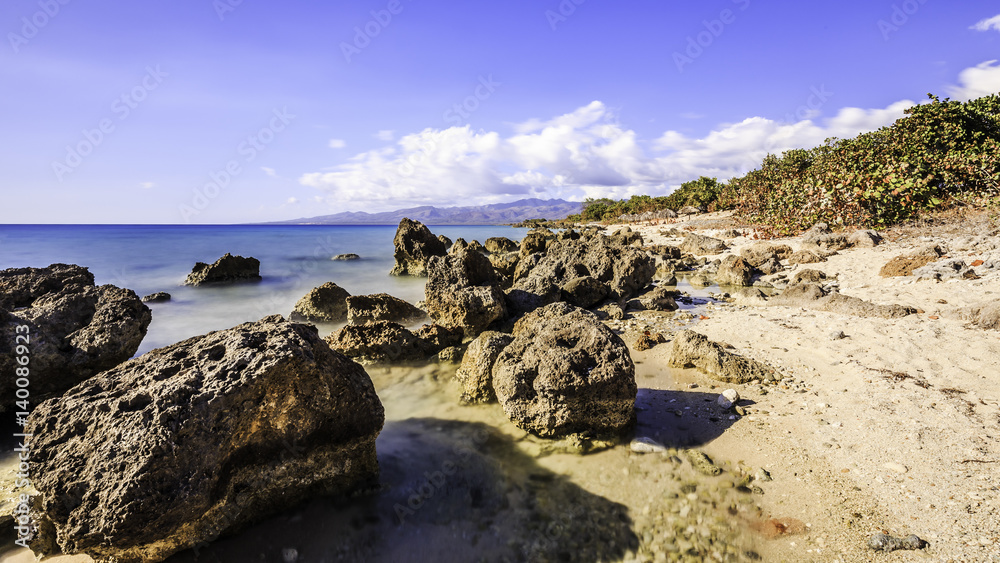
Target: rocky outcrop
x=380 y=342
x=381 y=307
x=74 y=328
x=701 y=245
x=805 y=257
x=584 y=291
x=228 y=269
x=324 y=304
x=565 y=372
x=414 y=246
x=158 y=297
x=462 y=291
x=693 y=350
x=346 y=257
x=476 y=372
x=437 y=337
x=496 y=245
x=812 y=296
x=167 y=451
x=764 y=252
x=534 y=241
x=734 y=271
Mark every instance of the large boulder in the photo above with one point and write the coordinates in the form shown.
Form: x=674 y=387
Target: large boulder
x=659 y=299
x=414 y=244
x=496 y=245
x=74 y=329
x=326 y=303
x=534 y=241
x=379 y=342
x=476 y=372
x=701 y=245
x=462 y=291
x=228 y=269
x=381 y=307
x=564 y=373
x=167 y=451
x=584 y=291
x=693 y=350
x=763 y=252
x=734 y=271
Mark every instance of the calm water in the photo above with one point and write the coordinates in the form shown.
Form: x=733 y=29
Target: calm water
x=294 y=259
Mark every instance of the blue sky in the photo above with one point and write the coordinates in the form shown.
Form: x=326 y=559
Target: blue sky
x=223 y=111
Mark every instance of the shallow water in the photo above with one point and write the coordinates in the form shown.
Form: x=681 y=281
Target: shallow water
x=459 y=483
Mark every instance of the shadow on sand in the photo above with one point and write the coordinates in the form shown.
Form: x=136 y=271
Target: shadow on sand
x=681 y=419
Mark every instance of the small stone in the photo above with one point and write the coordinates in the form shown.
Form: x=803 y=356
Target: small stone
x=646 y=446
x=837 y=335
x=290 y=555
x=762 y=475
x=897 y=467
x=728 y=398
x=885 y=542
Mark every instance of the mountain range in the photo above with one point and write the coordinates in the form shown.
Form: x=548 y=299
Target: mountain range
x=492 y=214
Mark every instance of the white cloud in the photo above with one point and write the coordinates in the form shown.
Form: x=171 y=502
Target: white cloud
x=988 y=24
x=583 y=153
x=337 y=143
x=976 y=82
x=385 y=135
x=146 y=185
x=269 y=171
x=292 y=200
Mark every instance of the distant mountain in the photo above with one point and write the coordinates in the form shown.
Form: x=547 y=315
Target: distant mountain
x=493 y=214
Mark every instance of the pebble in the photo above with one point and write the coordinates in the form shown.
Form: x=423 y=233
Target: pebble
x=290 y=555
x=885 y=542
x=728 y=398
x=837 y=335
x=647 y=446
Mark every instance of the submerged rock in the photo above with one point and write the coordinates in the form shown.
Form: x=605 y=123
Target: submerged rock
x=381 y=307
x=696 y=350
x=565 y=372
x=476 y=372
x=228 y=269
x=414 y=246
x=74 y=328
x=167 y=451
x=326 y=303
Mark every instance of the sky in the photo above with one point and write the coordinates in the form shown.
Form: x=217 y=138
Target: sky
x=234 y=111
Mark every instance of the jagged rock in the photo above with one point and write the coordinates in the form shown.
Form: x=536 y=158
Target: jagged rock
x=568 y=234
x=584 y=291
x=414 y=246
x=462 y=292
x=505 y=264
x=381 y=307
x=166 y=451
x=904 y=265
x=830 y=242
x=438 y=337
x=734 y=271
x=811 y=296
x=476 y=372
x=346 y=257
x=943 y=270
x=380 y=342
x=696 y=350
x=730 y=234
x=497 y=245
x=459 y=244
x=763 y=252
x=158 y=297
x=565 y=372
x=647 y=340
x=666 y=251
x=74 y=328
x=659 y=299
x=701 y=245
x=805 y=257
x=325 y=304
x=451 y=355
x=627 y=237
x=445 y=241
x=533 y=242
x=228 y=269
x=808 y=276
x=771 y=266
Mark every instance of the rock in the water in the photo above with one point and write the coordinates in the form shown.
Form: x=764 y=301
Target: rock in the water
x=701 y=245
x=696 y=350
x=379 y=342
x=585 y=291
x=885 y=542
x=565 y=372
x=346 y=257
x=728 y=399
x=170 y=449
x=381 y=307
x=450 y=355
x=158 y=297
x=228 y=269
x=734 y=271
x=534 y=241
x=325 y=304
x=414 y=246
x=75 y=329
x=476 y=372
x=495 y=245
x=462 y=292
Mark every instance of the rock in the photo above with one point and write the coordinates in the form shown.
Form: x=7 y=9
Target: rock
x=808 y=276
x=445 y=241
x=646 y=446
x=437 y=337
x=812 y=296
x=496 y=245
x=325 y=304
x=381 y=307
x=505 y=265
x=533 y=242
x=666 y=251
x=805 y=257
x=166 y=451
x=75 y=329
x=565 y=372
x=762 y=252
x=346 y=257
x=627 y=237
x=864 y=238
x=701 y=245
x=584 y=291
x=943 y=270
x=837 y=335
x=647 y=340
x=380 y=342
x=462 y=292
x=930 y=251
x=612 y=310
x=228 y=269
x=158 y=297
x=904 y=265
x=476 y=372
x=728 y=399
x=450 y=355
x=477 y=246
x=762 y=475
x=885 y=542
x=695 y=350
x=730 y=234
x=733 y=271
x=702 y=463
x=771 y=266
x=414 y=246
x=830 y=242
x=988 y=317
